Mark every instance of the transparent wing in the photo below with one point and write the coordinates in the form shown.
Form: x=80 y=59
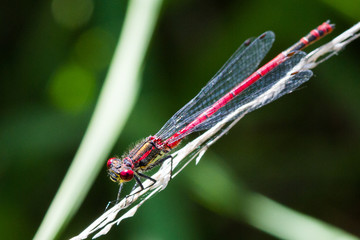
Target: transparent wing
x=241 y=64
x=253 y=91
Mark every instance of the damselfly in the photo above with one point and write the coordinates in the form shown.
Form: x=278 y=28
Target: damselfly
x=234 y=85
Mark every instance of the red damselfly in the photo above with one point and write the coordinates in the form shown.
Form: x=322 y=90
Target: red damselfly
x=235 y=84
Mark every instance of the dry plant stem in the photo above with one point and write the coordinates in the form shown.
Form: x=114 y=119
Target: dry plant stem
x=192 y=150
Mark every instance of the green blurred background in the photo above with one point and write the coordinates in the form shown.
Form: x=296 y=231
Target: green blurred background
x=302 y=151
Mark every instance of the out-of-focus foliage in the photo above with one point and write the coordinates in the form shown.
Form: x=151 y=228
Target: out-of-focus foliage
x=302 y=151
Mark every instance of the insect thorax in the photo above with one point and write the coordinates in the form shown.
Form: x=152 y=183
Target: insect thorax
x=146 y=154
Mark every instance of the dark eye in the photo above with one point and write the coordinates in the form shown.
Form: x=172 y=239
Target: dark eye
x=126 y=175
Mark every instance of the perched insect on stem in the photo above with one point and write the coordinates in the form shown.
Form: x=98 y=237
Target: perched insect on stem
x=235 y=84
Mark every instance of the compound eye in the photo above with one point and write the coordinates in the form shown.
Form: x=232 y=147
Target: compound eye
x=126 y=175
x=110 y=162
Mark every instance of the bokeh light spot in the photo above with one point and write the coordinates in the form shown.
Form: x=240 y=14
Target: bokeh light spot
x=72 y=88
x=72 y=13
